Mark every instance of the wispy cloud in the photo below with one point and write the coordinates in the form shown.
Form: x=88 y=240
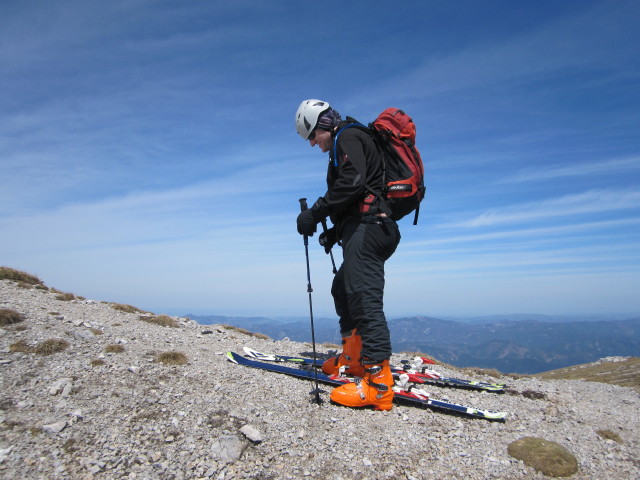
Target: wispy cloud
x=610 y=167
x=527 y=258
x=588 y=202
x=459 y=235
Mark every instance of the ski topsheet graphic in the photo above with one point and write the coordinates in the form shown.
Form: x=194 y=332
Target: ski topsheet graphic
x=416 y=375
x=410 y=395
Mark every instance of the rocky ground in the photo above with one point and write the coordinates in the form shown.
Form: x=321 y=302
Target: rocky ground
x=106 y=407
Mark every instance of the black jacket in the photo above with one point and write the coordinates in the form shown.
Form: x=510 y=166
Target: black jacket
x=355 y=184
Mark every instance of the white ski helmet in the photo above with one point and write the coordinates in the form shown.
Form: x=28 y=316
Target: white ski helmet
x=307 y=116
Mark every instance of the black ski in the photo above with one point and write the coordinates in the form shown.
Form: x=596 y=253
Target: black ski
x=410 y=396
x=423 y=376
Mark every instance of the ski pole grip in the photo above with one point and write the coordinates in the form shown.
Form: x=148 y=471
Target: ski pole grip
x=303 y=204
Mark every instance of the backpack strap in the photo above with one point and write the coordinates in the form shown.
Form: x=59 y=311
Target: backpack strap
x=382 y=204
x=335 y=139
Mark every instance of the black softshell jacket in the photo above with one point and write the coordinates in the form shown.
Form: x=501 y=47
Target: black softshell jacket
x=358 y=174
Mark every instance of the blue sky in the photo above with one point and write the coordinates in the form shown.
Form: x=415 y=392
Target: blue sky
x=148 y=152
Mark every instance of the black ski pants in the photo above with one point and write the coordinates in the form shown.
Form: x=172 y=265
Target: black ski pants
x=358 y=287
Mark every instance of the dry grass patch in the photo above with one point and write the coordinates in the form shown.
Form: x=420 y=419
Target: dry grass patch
x=21 y=347
x=17 y=276
x=70 y=446
x=114 y=348
x=126 y=308
x=609 y=435
x=96 y=362
x=162 y=320
x=47 y=347
x=532 y=395
x=65 y=297
x=51 y=346
x=550 y=458
x=625 y=373
x=243 y=331
x=9 y=317
x=172 y=358
x=490 y=372
x=517 y=376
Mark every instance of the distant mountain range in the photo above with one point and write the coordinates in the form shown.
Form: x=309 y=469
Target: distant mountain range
x=518 y=344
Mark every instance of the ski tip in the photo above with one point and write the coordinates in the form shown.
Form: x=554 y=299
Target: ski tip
x=249 y=351
x=498 y=416
x=426 y=360
x=231 y=357
x=488 y=388
x=487 y=414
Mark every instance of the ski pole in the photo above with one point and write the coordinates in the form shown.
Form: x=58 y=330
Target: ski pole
x=333 y=263
x=303 y=207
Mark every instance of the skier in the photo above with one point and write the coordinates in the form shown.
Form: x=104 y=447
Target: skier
x=368 y=238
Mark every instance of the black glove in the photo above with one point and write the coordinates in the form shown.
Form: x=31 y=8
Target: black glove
x=328 y=239
x=307 y=223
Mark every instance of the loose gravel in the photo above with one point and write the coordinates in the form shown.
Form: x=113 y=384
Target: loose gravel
x=95 y=411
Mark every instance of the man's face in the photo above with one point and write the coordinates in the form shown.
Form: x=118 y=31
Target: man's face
x=322 y=138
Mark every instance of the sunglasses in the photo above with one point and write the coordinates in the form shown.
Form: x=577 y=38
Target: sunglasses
x=312 y=135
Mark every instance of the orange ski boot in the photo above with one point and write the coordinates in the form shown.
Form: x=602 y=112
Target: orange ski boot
x=375 y=389
x=349 y=358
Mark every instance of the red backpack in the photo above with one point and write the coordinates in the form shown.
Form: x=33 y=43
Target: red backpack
x=402 y=170
x=395 y=134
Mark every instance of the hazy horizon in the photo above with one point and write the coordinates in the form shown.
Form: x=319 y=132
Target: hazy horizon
x=571 y=317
